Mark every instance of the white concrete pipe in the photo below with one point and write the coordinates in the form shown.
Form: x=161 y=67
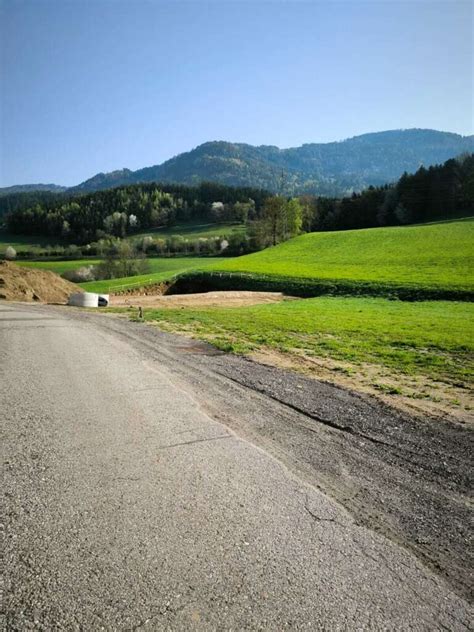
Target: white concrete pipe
x=84 y=299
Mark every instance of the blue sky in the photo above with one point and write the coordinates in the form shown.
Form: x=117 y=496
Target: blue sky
x=89 y=86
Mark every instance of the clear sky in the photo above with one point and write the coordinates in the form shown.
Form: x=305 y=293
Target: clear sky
x=89 y=86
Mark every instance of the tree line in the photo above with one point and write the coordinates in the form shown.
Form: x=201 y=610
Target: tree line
x=125 y=210
x=439 y=192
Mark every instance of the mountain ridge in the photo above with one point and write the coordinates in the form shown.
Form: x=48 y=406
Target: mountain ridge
x=26 y=188
x=335 y=168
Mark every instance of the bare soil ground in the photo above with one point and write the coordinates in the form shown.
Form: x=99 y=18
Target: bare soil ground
x=27 y=284
x=419 y=395
x=205 y=299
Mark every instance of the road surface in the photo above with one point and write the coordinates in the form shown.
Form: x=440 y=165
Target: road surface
x=153 y=484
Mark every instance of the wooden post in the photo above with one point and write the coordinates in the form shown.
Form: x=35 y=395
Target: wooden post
x=140 y=312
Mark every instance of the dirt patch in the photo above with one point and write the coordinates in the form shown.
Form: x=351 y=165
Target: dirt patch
x=205 y=299
x=28 y=284
x=154 y=289
x=412 y=394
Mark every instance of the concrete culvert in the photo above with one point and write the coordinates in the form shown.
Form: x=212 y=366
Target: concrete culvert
x=84 y=299
x=88 y=299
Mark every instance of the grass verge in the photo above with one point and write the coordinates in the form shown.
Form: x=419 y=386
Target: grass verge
x=421 y=353
x=434 y=338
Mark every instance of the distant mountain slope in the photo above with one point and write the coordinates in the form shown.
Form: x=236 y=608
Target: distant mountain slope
x=331 y=169
x=27 y=188
x=105 y=181
x=335 y=168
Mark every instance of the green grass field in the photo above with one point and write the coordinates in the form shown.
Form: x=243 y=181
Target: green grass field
x=192 y=230
x=432 y=256
x=432 y=338
x=58 y=266
x=31 y=243
x=425 y=341
x=189 y=230
x=161 y=269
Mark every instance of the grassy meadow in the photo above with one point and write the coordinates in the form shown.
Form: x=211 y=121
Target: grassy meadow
x=59 y=266
x=432 y=256
x=188 y=230
x=431 y=338
x=375 y=342
x=161 y=269
x=420 y=349
x=30 y=243
x=191 y=230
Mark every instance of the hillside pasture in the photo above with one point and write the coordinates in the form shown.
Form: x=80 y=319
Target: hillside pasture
x=59 y=266
x=191 y=230
x=438 y=255
x=36 y=244
x=26 y=243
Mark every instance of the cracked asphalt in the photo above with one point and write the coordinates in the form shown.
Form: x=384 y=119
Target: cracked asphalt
x=151 y=483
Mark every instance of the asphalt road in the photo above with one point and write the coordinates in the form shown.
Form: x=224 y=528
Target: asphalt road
x=152 y=484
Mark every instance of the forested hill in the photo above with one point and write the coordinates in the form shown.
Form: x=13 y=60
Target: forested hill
x=28 y=188
x=332 y=169
x=441 y=192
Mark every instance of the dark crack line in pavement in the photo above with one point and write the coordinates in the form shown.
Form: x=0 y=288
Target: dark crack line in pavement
x=319 y=519
x=127 y=478
x=174 y=445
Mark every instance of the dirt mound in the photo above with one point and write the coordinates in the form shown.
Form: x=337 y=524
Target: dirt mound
x=205 y=299
x=154 y=289
x=28 y=284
